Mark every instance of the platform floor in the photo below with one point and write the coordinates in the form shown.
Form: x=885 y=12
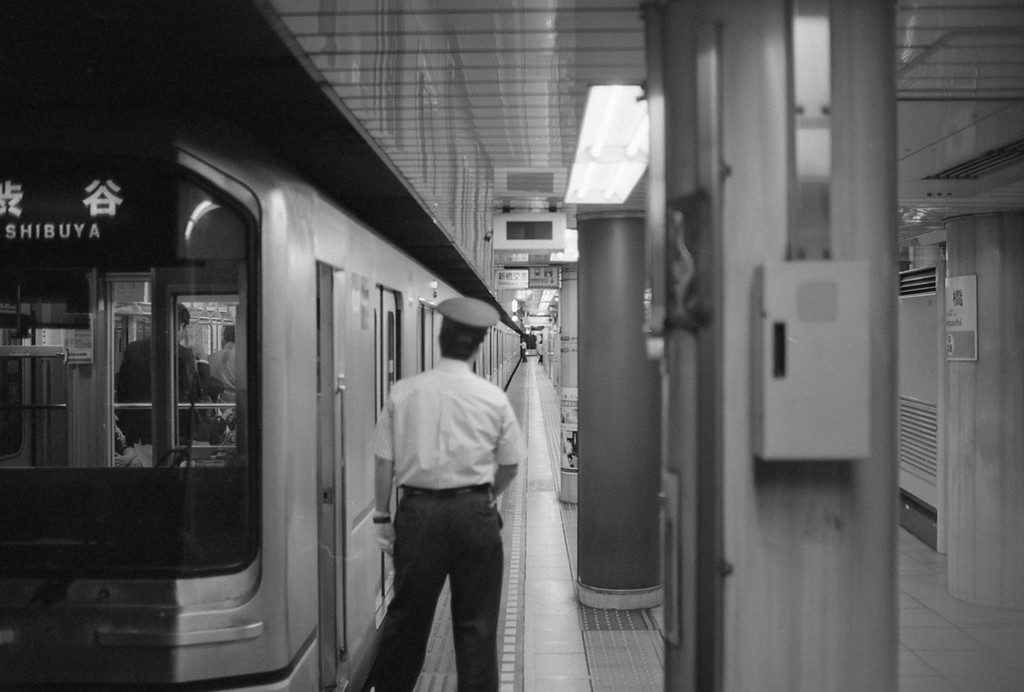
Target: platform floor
x=551 y=643
x=949 y=645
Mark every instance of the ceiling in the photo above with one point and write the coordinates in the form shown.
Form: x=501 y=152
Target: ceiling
x=478 y=104
x=960 y=90
x=425 y=117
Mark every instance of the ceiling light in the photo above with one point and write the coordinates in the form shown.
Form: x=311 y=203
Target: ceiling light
x=572 y=248
x=612 y=151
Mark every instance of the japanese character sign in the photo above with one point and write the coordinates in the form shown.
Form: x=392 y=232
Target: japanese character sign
x=103 y=200
x=10 y=198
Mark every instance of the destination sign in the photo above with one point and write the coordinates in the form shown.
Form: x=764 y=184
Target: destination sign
x=76 y=212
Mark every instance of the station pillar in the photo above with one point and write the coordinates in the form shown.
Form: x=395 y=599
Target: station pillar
x=619 y=419
x=984 y=337
x=779 y=127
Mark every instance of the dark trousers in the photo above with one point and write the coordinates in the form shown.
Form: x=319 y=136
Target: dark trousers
x=458 y=537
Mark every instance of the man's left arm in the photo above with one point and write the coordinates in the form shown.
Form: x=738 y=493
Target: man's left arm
x=384 y=527
x=383 y=481
x=503 y=478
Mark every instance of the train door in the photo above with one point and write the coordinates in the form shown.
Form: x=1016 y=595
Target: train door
x=330 y=410
x=388 y=369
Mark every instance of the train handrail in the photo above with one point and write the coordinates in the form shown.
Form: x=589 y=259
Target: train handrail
x=16 y=351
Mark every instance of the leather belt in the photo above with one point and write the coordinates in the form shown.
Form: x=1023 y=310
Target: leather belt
x=412 y=491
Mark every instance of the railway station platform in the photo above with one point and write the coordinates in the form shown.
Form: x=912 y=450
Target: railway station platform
x=550 y=642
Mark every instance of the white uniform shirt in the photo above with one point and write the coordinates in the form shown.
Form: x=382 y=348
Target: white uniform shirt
x=448 y=428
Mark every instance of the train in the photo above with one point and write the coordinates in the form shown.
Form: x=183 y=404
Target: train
x=237 y=553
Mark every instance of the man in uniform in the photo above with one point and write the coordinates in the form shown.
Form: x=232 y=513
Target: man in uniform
x=451 y=443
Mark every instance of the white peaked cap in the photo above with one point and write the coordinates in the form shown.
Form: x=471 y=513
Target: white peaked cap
x=469 y=311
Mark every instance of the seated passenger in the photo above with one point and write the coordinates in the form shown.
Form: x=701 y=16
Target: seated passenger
x=208 y=387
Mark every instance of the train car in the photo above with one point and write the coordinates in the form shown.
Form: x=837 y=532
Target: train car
x=179 y=538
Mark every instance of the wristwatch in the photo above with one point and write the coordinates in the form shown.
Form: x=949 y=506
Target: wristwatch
x=381 y=518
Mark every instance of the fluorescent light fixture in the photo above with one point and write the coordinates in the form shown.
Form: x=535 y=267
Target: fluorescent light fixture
x=612 y=151
x=572 y=248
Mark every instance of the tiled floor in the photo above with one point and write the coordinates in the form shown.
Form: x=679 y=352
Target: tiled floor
x=949 y=645
x=552 y=644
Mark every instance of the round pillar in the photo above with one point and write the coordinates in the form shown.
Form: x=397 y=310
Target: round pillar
x=619 y=419
x=984 y=408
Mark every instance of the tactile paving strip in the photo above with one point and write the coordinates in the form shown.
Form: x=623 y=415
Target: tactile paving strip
x=510 y=643
x=597 y=620
x=624 y=661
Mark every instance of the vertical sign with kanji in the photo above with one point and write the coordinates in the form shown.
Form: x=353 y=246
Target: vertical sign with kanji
x=962 y=317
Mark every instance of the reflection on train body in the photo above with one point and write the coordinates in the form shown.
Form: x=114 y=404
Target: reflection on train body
x=156 y=524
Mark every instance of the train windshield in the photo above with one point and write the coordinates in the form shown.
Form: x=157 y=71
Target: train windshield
x=124 y=382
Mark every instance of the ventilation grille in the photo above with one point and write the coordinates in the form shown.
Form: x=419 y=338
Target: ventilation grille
x=917 y=282
x=531 y=182
x=986 y=164
x=919 y=430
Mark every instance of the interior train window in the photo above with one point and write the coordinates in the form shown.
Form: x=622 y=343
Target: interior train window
x=12 y=429
x=124 y=391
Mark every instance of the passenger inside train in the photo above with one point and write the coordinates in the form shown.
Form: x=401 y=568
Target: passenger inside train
x=222 y=365
x=133 y=384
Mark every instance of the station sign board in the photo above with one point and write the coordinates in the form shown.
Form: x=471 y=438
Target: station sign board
x=962 y=317
x=96 y=211
x=512 y=279
x=543 y=277
x=506 y=258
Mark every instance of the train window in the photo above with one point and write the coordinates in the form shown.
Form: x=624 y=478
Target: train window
x=12 y=435
x=123 y=389
x=423 y=347
x=427 y=338
x=38 y=311
x=390 y=342
x=205 y=370
x=387 y=337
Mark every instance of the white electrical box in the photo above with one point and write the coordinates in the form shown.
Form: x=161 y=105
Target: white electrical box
x=812 y=360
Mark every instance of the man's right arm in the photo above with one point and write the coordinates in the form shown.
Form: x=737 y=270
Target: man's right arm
x=383 y=481
x=503 y=478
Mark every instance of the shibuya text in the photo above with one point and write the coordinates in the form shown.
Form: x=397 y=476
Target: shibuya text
x=51 y=231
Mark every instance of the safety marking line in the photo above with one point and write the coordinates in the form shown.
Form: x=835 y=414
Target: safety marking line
x=511 y=646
